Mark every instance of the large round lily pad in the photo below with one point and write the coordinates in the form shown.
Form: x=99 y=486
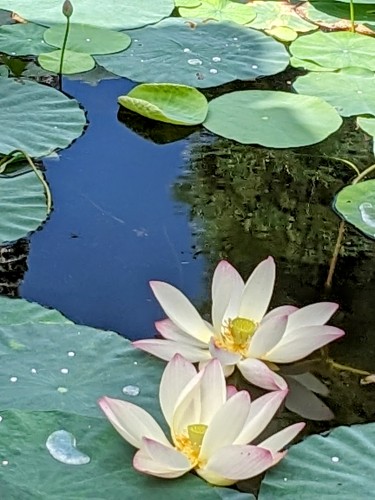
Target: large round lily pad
x=336 y=50
x=220 y=10
x=23 y=206
x=336 y=466
x=23 y=39
x=167 y=102
x=197 y=54
x=37 y=119
x=88 y=39
x=112 y=14
x=351 y=91
x=272 y=119
x=356 y=204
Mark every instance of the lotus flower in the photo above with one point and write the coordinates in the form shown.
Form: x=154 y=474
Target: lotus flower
x=198 y=411
x=241 y=333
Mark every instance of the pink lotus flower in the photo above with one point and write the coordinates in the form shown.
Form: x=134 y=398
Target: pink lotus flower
x=197 y=410
x=242 y=333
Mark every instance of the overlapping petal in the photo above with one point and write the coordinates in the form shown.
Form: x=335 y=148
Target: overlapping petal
x=267 y=336
x=311 y=315
x=170 y=331
x=159 y=460
x=256 y=372
x=280 y=439
x=166 y=349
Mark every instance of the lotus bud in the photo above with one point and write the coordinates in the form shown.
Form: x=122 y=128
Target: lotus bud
x=67 y=9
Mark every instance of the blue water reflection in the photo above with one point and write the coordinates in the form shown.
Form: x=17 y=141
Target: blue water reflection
x=114 y=225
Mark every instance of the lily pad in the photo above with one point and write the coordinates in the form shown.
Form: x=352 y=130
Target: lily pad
x=351 y=91
x=167 y=102
x=112 y=15
x=337 y=50
x=37 y=119
x=309 y=65
x=335 y=466
x=272 y=119
x=329 y=12
x=23 y=39
x=220 y=10
x=197 y=54
x=16 y=311
x=273 y=14
x=35 y=474
x=22 y=205
x=356 y=205
x=87 y=39
x=367 y=125
x=74 y=62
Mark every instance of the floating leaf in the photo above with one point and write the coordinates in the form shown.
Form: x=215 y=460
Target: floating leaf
x=200 y=55
x=367 y=125
x=310 y=66
x=36 y=118
x=33 y=473
x=356 y=204
x=74 y=62
x=220 y=10
x=271 y=15
x=87 y=39
x=283 y=33
x=335 y=466
x=112 y=15
x=22 y=39
x=272 y=119
x=22 y=206
x=351 y=91
x=187 y=3
x=167 y=102
x=16 y=311
x=337 y=50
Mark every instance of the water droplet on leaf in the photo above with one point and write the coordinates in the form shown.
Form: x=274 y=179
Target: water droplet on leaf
x=62 y=390
x=62 y=447
x=335 y=459
x=187 y=50
x=13 y=379
x=194 y=62
x=5 y=462
x=88 y=40
x=254 y=66
x=216 y=59
x=71 y=354
x=33 y=370
x=367 y=213
x=213 y=71
x=131 y=390
x=64 y=371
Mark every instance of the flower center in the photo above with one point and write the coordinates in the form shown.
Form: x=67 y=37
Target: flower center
x=236 y=335
x=190 y=444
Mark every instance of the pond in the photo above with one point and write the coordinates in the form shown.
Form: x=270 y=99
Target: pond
x=137 y=200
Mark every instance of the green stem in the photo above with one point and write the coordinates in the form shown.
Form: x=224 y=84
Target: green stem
x=346 y=368
x=363 y=174
x=352 y=27
x=63 y=50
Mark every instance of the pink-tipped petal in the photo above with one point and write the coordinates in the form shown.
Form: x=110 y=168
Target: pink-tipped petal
x=225 y=357
x=280 y=311
x=170 y=331
x=311 y=315
x=278 y=441
x=177 y=374
x=219 y=433
x=181 y=311
x=258 y=291
x=158 y=460
x=166 y=349
x=262 y=410
x=301 y=342
x=231 y=391
x=234 y=463
x=131 y=422
x=267 y=335
x=226 y=282
x=257 y=373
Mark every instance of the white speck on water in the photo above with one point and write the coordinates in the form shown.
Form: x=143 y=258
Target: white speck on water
x=213 y=71
x=367 y=213
x=254 y=66
x=62 y=447
x=186 y=50
x=265 y=117
x=88 y=39
x=194 y=62
x=64 y=371
x=4 y=462
x=131 y=390
x=33 y=370
x=71 y=354
x=13 y=379
x=216 y=59
x=335 y=459
x=62 y=390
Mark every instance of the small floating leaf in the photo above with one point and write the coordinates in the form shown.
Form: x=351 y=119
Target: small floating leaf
x=74 y=62
x=273 y=119
x=167 y=102
x=356 y=205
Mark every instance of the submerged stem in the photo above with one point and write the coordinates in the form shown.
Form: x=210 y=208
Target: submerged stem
x=346 y=368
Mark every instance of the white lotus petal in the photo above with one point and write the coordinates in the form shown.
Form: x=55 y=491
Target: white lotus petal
x=278 y=441
x=188 y=406
x=177 y=374
x=180 y=310
x=267 y=335
x=258 y=291
x=219 y=433
x=170 y=331
x=158 y=460
x=131 y=422
x=280 y=311
x=225 y=357
x=166 y=349
x=213 y=391
x=231 y=391
x=234 y=463
x=226 y=282
x=262 y=410
x=311 y=315
x=299 y=343
x=258 y=373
